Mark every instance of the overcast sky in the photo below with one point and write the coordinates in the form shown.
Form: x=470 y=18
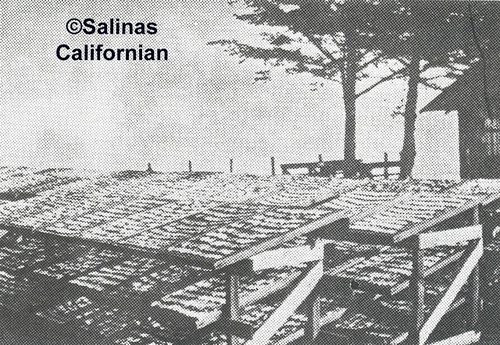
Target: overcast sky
x=200 y=105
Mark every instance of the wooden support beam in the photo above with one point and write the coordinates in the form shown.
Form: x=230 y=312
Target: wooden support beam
x=449 y=237
x=422 y=226
x=451 y=293
x=474 y=279
x=232 y=305
x=287 y=256
x=466 y=338
x=313 y=324
x=289 y=305
x=278 y=240
x=418 y=294
x=474 y=297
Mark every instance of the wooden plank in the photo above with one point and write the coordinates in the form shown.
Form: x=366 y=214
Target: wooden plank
x=420 y=227
x=232 y=307
x=287 y=256
x=276 y=241
x=288 y=306
x=474 y=280
x=451 y=293
x=313 y=324
x=232 y=297
x=418 y=294
x=449 y=237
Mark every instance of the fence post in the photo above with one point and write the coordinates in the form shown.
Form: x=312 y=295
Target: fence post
x=230 y=165
x=190 y=166
x=386 y=166
x=320 y=158
x=273 y=172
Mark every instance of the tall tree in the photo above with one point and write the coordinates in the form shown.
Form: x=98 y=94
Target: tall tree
x=341 y=38
x=412 y=38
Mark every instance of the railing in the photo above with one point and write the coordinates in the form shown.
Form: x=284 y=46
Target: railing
x=385 y=169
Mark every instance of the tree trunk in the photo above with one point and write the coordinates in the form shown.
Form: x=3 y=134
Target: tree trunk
x=349 y=93
x=409 y=152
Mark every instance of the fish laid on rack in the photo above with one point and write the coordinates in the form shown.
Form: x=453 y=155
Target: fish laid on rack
x=203 y=300
x=391 y=266
x=410 y=211
x=191 y=225
x=228 y=239
x=110 y=276
x=90 y=259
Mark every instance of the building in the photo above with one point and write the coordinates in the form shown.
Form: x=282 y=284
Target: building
x=476 y=98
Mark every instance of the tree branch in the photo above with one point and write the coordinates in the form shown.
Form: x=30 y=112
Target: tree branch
x=384 y=79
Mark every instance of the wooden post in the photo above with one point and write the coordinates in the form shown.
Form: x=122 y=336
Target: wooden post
x=386 y=166
x=232 y=303
x=320 y=158
x=474 y=281
x=273 y=172
x=418 y=294
x=231 y=165
x=313 y=324
x=190 y=166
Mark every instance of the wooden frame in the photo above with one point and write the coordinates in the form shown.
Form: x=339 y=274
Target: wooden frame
x=288 y=306
x=278 y=240
x=421 y=330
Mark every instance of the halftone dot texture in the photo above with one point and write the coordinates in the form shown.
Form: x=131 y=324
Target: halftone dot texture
x=203 y=106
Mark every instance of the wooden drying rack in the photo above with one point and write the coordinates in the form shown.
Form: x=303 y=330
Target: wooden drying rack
x=308 y=289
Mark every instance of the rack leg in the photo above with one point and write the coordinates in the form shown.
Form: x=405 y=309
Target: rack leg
x=474 y=280
x=232 y=304
x=475 y=301
x=313 y=324
x=418 y=294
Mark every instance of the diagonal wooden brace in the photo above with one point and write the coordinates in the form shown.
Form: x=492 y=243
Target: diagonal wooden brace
x=455 y=287
x=289 y=305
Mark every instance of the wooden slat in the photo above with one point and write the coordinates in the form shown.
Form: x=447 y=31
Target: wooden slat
x=287 y=256
x=449 y=237
x=276 y=241
x=451 y=293
x=420 y=227
x=288 y=306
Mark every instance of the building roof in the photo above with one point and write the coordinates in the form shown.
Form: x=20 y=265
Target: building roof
x=468 y=90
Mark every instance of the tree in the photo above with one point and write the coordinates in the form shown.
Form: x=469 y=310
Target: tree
x=341 y=37
x=413 y=36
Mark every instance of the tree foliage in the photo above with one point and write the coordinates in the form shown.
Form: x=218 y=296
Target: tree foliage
x=422 y=41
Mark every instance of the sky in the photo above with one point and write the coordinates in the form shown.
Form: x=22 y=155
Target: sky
x=200 y=105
